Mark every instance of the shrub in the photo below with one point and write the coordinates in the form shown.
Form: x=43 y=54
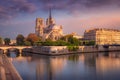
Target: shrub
x=72 y=48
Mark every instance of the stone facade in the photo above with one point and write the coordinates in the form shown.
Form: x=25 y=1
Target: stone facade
x=49 y=30
x=39 y=27
x=103 y=36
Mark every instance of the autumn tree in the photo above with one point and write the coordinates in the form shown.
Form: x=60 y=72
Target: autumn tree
x=20 y=39
x=32 y=38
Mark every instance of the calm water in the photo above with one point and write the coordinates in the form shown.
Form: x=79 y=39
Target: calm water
x=89 y=66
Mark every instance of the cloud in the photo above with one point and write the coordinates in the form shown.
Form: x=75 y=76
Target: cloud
x=11 y=8
x=78 y=4
x=3 y=13
x=101 y=3
x=23 y=5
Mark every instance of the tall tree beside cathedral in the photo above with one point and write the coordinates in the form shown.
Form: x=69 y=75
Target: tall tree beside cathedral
x=32 y=38
x=20 y=39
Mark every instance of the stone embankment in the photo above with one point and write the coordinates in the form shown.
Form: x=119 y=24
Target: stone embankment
x=7 y=70
x=58 y=50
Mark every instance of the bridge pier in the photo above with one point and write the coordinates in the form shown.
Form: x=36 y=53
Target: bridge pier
x=20 y=51
x=5 y=51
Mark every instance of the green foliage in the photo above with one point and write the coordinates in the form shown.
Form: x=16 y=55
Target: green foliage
x=74 y=58
x=66 y=38
x=7 y=41
x=20 y=39
x=89 y=43
x=80 y=43
x=72 y=48
x=49 y=43
x=74 y=41
x=70 y=39
x=62 y=43
x=27 y=43
x=92 y=42
x=52 y=43
x=38 y=43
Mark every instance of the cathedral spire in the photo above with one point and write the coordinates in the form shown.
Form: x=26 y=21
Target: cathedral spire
x=50 y=20
x=50 y=15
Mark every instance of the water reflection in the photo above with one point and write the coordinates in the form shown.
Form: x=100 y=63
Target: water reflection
x=50 y=67
x=111 y=61
x=74 y=58
x=88 y=66
x=13 y=54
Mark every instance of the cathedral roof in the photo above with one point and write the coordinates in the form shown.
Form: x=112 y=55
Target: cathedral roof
x=54 y=26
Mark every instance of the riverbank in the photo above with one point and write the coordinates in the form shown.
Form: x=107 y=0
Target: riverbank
x=7 y=70
x=62 y=50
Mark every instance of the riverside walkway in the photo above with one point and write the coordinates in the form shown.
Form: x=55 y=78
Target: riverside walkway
x=7 y=70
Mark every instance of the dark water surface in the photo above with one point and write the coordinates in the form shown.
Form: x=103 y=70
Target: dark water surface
x=87 y=66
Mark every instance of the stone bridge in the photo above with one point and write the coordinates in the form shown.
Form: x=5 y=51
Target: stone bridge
x=20 y=48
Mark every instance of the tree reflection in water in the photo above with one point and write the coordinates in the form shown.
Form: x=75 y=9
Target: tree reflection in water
x=74 y=57
x=90 y=59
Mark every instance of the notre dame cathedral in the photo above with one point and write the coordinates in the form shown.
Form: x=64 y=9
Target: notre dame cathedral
x=49 y=30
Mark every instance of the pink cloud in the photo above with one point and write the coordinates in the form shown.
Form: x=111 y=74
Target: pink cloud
x=80 y=24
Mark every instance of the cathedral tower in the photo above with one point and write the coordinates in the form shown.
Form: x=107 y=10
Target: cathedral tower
x=39 y=27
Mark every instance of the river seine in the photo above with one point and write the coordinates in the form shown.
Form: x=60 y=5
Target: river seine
x=84 y=66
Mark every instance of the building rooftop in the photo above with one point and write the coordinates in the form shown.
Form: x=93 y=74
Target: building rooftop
x=102 y=29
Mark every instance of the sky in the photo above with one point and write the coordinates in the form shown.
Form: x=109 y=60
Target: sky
x=18 y=16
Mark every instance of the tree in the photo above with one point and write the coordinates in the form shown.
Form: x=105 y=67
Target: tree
x=92 y=42
x=27 y=43
x=89 y=42
x=80 y=42
x=7 y=41
x=70 y=39
x=1 y=41
x=65 y=38
x=73 y=41
x=20 y=39
x=32 y=38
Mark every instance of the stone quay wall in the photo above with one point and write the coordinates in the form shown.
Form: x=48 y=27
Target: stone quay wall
x=58 y=50
x=7 y=70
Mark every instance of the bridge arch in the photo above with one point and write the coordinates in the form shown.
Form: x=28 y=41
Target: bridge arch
x=1 y=51
x=20 y=48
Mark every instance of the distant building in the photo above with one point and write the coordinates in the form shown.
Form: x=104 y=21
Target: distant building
x=12 y=42
x=50 y=30
x=75 y=35
x=103 y=36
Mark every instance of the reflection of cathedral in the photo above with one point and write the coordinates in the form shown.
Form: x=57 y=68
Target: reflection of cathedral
x=48 y=67
x=50 y=30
